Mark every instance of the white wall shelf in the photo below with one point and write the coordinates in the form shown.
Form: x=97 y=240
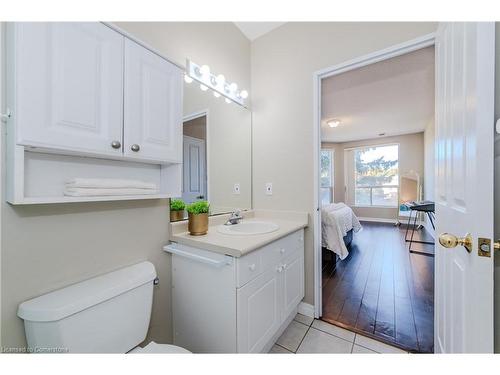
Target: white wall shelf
x=50 y=200
x=38 y=178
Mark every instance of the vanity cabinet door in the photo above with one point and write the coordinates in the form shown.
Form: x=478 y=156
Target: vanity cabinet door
x=67 y=79
x=152 y=106
x=258 y=312
x=293 y=284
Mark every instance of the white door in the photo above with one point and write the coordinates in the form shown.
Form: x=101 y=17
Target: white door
x=465 y=54
x=258 y=312
x=153 y=106
x=68 y=86
x=194 y=165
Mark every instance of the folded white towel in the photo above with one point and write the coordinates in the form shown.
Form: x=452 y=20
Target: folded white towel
x=89 y=192
x=109 y=183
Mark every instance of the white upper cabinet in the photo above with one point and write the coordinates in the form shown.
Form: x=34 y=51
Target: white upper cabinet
x=68 y=84
x=153 y=106
x=87 y=101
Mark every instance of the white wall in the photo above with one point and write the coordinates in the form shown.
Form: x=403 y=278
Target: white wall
x=50 y=246
x=429 y=151
x=283 y=63
x=429 y=169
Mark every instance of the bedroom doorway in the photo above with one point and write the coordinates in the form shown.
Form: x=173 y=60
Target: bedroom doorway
x=376 y=117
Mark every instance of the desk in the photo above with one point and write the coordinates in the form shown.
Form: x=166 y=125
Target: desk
x=423 y=206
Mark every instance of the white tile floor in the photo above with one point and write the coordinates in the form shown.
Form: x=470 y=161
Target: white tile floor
x=308 y=335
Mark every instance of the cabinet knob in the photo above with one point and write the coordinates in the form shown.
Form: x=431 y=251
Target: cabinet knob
x=279 y=269
x=282 y=251
x=116 y=144
x=251 y=267
x=135 y=147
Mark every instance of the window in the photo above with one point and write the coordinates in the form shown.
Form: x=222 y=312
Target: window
x=326 y=176
x=376 y=176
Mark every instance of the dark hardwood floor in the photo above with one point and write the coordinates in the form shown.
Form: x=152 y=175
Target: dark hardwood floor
x=381 y=290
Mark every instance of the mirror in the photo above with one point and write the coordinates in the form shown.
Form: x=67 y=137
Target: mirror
x=217 y=152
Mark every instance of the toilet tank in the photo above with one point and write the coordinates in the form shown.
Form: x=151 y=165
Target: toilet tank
x=106 y=314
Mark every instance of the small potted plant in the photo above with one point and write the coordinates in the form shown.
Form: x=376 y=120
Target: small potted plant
x=198 y=218
x=177 y=207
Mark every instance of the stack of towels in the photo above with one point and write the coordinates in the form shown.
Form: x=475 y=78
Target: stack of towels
x=90 y=187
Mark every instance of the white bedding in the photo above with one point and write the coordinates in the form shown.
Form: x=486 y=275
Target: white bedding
x=336 y=220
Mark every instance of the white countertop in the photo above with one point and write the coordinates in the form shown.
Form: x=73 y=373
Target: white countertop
x=239 y=245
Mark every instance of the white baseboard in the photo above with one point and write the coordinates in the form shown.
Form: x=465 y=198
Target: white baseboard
x=306 y=309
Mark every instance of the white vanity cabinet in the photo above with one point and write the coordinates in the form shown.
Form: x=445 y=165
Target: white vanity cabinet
x=223 y=304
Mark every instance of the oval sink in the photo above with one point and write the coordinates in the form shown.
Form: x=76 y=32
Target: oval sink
x=248 y=228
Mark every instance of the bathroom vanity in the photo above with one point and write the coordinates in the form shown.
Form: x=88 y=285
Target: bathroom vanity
x=236 y=293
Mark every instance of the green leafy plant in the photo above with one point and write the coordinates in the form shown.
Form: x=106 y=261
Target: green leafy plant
x=177 y=205
x=199 y=207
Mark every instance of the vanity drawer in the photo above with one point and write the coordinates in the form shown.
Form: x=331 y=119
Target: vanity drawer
x=248 y=267
x=283 y=248
x=269 y=256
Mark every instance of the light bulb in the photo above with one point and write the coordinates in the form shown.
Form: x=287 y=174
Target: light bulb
x=205 y=70
x=244 y=94
x=187 y=78
x=216 y=94
x=203 y=87
x=233 y=87
x=221 y=79
x=333 y=123
x=227 y=101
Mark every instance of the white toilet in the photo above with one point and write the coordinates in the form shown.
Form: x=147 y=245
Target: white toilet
x=105 y=314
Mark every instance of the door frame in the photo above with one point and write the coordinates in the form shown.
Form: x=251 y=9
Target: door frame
x=192 y=116
x=359 y=62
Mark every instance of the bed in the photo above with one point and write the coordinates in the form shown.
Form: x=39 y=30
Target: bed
x=338 y=222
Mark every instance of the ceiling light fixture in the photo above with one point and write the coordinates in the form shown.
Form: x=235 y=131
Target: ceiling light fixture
x=333 y=123
x=217 y=83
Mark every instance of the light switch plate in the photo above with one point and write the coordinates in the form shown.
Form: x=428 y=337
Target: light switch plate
x=236 y=188
x=269 y=188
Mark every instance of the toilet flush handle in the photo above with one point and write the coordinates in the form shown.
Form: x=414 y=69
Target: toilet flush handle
x=156 y=281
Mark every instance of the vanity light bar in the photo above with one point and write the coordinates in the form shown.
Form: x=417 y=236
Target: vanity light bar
x=218 y=84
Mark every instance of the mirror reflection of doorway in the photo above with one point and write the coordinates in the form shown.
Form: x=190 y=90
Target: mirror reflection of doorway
x=194 y=181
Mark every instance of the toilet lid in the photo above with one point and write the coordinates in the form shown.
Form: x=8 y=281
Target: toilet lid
x=153 y=347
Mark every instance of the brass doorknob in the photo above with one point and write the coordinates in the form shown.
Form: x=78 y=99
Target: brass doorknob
x=449 y=241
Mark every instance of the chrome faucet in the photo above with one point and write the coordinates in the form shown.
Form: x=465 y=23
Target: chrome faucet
x=235 y=218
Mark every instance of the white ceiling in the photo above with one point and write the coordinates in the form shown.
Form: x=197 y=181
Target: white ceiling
x=394 y=97
x=253 y=30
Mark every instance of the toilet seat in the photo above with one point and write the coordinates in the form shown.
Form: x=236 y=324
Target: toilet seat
x=153 y=347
